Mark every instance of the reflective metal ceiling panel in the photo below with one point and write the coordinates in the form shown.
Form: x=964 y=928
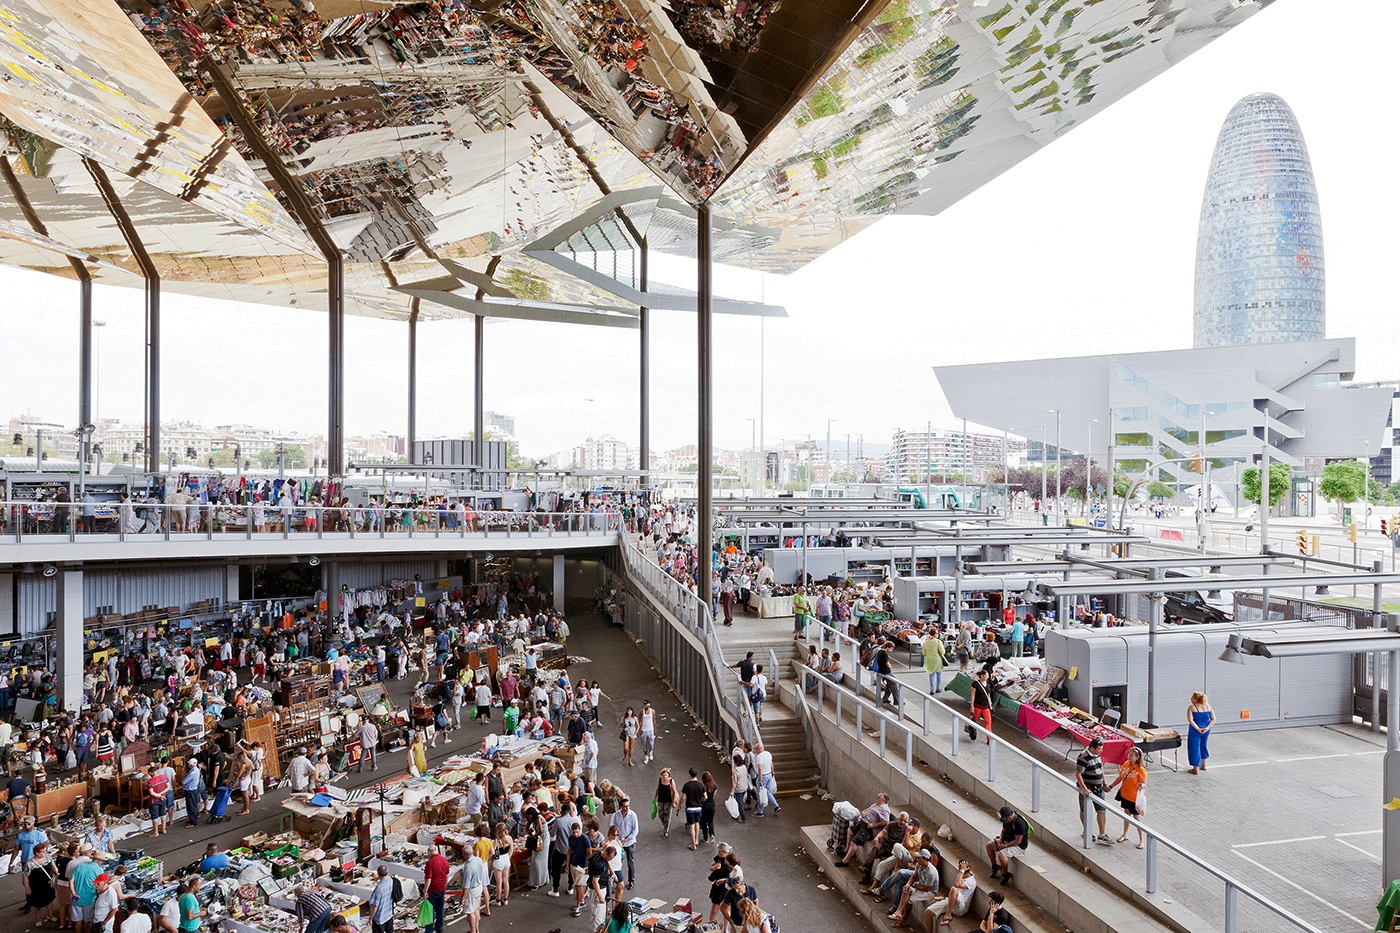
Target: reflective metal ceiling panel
x=451 y=131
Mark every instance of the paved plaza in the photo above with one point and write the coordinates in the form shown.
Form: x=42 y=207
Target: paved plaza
x=1292 y=813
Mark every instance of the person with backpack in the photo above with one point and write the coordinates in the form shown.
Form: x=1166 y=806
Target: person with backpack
x=388 y=891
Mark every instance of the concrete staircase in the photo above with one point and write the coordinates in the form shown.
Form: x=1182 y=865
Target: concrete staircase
x=793 y=765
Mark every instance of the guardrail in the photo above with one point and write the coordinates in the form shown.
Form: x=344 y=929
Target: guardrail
x=31 y=522
x=1233 y=888
x=690 y=611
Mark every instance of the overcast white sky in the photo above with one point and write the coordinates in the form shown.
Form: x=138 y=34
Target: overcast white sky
x=1087 y=247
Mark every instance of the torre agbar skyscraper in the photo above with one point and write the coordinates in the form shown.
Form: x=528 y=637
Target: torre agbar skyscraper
x=1259 y=267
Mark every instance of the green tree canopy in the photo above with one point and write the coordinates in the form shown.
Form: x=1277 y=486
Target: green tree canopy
x=1280 y=478
x=295 y=458
x=1159 y=490
x=1342 y=481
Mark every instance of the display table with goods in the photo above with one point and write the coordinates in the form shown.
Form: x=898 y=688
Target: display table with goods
x=770 y=607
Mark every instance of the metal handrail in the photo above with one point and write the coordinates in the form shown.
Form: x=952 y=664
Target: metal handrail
x=38 y=522
x=1233 y=887
x=687 y=607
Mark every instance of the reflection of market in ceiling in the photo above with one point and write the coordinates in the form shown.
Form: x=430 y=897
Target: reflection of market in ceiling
x=428 y=138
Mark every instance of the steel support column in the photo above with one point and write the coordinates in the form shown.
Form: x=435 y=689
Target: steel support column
x=84 y=299
x=305 y=212
x=151 y=274
x=479 y=394
x=479 y=400
x=335 y=389
x=705 y=423
x=644 y=387
x=412 y=375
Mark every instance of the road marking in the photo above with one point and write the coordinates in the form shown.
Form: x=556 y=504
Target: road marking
x=1316 y=757
x=1369 y=855
x=1241 y=764
x=1361 y=832
x=1378 y=751
x=1276 y=842
x=1299 y=887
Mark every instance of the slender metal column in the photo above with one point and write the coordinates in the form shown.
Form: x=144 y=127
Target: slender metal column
x=644 y=393
x=84 y=296
x=305 y=211
x=151 y=274
x=479 y=400
x=335 y=308
x=705 y=424
x=412 y=375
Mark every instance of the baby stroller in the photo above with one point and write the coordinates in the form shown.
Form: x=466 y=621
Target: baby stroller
x=843 y=814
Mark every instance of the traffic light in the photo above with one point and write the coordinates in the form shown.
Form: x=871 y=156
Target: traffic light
x=1302 y=541
x=1351 y=532
x=1385 y=527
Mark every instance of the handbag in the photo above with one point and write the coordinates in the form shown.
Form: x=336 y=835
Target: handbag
x=732 y=806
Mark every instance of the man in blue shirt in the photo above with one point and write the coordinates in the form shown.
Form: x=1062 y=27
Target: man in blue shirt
x=213 y=859
x=381 y=902
x=25 y=842
x=193 y=784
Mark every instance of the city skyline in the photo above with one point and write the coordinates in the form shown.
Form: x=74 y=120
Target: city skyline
x=1070 y=253
x=1260 y=272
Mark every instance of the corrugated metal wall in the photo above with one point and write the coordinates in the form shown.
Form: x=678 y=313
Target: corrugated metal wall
x=116 y=591
x=359 y=576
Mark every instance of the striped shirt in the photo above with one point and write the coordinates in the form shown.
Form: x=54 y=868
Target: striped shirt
x=1091 y=766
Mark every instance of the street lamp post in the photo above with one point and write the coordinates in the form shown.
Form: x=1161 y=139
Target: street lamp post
x=1366 y=487
x=1044 y=466
x=827 y=457
x=1059 y=514
x=753 y=442
x=1089 y=468
x=1006 y=465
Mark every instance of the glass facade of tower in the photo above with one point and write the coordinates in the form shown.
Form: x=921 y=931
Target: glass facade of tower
x=1259 y=266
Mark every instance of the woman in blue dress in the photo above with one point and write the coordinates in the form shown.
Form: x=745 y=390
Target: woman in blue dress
x=1200 y=717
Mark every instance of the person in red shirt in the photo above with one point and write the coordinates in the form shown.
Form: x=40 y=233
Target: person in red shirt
x=435 y=883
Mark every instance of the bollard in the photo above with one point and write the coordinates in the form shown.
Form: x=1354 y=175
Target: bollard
x=956 y=736
x=882 y=736
x=992 y=761
x=908 y=754
x=1231 y=907
x=1035 y=788
x=1087 y=815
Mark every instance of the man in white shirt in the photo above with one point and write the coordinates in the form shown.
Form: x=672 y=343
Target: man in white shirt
x=767 y=784
x=104 y=910
x=299 y=770
x=588 y=749
x=627 y=827
x=369 y=742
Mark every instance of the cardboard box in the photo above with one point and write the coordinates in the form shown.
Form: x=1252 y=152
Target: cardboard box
x=255 y=840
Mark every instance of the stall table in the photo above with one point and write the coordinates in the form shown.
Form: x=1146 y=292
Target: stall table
x=58 y=800
x=1041 y=724
x=771 y=607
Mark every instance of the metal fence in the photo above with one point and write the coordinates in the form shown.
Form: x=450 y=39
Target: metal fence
x=694 y=667
x=894 y=730
x=29 y=522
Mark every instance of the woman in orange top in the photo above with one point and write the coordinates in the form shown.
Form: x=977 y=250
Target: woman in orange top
x=1132 y=777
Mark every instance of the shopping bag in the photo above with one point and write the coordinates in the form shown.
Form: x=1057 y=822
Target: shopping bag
x=655 y=807
x=425 y=913
x=732 y=806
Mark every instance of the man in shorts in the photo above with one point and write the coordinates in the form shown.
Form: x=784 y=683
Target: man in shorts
x=157 y=786
x=1088 y=774
x=475 y=877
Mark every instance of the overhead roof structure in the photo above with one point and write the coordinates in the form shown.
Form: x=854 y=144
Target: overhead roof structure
x=429 y=134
